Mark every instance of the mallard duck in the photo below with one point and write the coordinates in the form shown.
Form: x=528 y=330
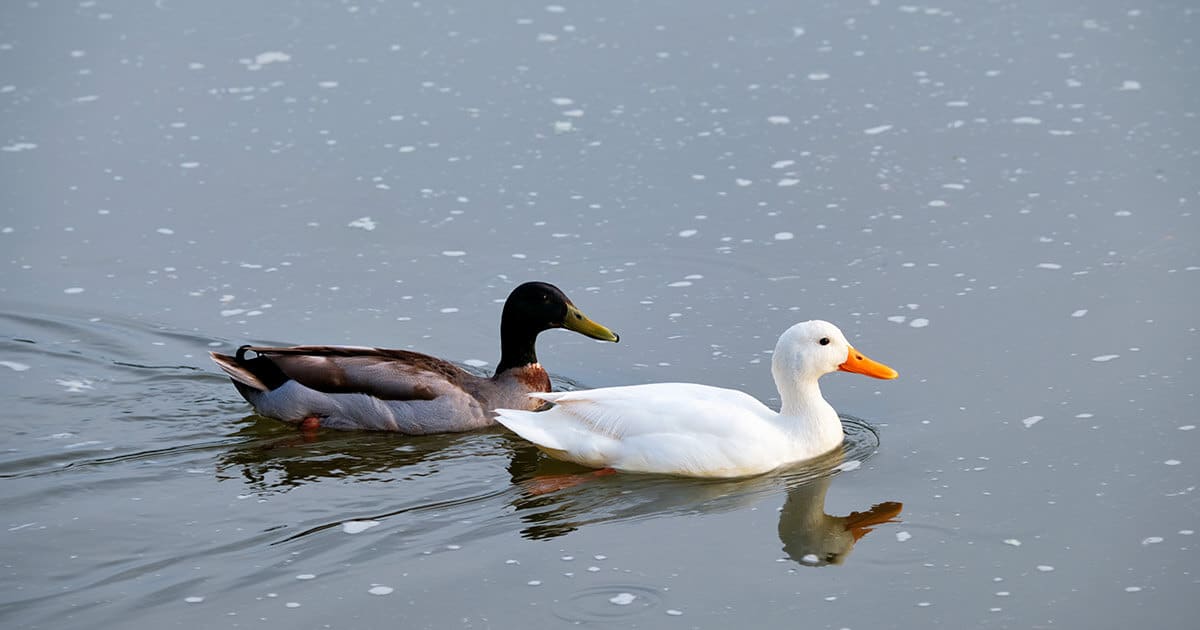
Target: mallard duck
x=350 y=387
x=698 y=430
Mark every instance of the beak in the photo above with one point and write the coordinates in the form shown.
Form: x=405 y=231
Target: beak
x=859 y=363
x=577 y=321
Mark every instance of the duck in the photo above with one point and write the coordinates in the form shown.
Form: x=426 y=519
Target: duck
x=355 y=387
x=697 y=430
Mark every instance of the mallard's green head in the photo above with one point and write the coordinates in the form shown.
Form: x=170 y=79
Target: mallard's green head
x=536 y=306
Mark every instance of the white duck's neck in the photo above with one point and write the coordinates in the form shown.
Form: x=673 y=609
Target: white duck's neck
x=805 y=414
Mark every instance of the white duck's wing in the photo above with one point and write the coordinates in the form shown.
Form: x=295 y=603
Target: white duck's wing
x=677 y=428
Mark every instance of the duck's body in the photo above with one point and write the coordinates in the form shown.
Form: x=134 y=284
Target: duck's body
x=351 y=387
x=698 y=430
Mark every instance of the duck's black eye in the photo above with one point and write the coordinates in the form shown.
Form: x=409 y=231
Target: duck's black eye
x=824 y=341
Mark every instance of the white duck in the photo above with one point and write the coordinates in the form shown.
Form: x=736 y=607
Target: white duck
x=698 y=430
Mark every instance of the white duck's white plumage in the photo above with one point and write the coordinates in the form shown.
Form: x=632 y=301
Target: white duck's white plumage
x=698 y=430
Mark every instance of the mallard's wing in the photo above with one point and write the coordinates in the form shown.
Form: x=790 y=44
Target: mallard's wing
x=382 y=373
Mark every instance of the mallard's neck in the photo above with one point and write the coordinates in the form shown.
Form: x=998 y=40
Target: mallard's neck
x=516 y=347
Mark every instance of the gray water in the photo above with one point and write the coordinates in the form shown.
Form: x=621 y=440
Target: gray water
x=996 y=199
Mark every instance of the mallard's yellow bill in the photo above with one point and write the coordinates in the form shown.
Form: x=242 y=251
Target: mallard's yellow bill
x=577 y=321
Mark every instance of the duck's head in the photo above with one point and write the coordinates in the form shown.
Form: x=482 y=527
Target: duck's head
x=536 y=306
x=814 y=348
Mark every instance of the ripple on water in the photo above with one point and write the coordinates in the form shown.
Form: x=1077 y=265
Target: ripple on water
x=608 y=603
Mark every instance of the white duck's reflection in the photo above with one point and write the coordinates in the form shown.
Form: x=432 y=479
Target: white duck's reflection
x=561 y=498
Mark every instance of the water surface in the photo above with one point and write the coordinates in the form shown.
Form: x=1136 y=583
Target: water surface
x=996 y=199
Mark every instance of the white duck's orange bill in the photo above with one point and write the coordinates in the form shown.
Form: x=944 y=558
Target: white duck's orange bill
x=858 y=363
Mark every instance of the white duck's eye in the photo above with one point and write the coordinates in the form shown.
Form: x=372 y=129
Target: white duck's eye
x=824 y=341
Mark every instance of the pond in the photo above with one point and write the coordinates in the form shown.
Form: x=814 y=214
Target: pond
x=998 y=200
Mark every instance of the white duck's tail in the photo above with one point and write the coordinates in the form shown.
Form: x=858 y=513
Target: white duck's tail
x=528 y=425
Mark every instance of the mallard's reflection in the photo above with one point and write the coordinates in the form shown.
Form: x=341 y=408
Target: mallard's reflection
x=274 y=457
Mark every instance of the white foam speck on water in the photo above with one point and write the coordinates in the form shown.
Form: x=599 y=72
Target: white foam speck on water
x=687 y=233
x=1032 y=420
x=327 y=84
x=17 y=147
x=743 y=182
x=1079 y=313
x=1012 y=541
x=1105 y=358
x=555 y=8
x=14 y=366
x=194 y=599
x=919 y=322
x=1122 y=213
x=534 y=582
x=1187 y=427
x=547 y=37
x=189 y=164
x=956 y=103
x=454 y=252
x=680 y=283
x=562 y=101
x=673 y=612
x=269 y=57
x=362 y=223
x=872 y=131
x=1084 y=415
x=818 y=76
x=847 y=466
x=1026 y=120
x=937 y=203
x=1172 y=462
x=1049 y=266
x=1045 y=568
x=475 y=362
x=778 y=120
x=167 y=231
x=897 y=319
x=1129 y=86
x=783 y=163
x=903 y=536
x=305 y=576
x=563 y=126
x=1152 y=540
x=292 y=604
x=1133 y=589
x=787 y=181
x=75 y=385
x=622 y=599
x=357 y=527
x=600 y=556
x=408 y=148
x=230 y=312
x=784 y=236
x=450 y=309
x=380 y=590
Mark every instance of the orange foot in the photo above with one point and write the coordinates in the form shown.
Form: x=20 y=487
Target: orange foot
x=309 y=427
x=546 y=484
